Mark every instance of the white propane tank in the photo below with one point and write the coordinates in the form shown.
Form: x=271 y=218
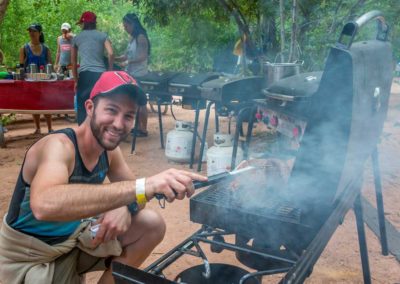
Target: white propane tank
x=219 y=156
x=179 y=142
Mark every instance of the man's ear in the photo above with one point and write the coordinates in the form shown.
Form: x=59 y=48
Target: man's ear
x=89 y=105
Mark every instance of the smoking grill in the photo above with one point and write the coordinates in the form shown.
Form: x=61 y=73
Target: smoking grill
x=289 y=227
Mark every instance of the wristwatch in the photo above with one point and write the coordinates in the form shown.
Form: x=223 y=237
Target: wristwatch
x=133 y=208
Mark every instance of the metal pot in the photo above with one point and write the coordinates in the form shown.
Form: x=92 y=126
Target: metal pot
x=33 y=68
x=49 y=68
x=276 y=71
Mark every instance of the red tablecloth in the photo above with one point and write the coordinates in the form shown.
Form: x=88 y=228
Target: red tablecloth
x=31 y=97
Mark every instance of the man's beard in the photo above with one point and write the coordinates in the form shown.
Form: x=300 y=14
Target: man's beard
x=96 y=130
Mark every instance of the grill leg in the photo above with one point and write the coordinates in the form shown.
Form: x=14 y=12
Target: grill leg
x=249 y=131
x=204 y=136
x=239 y=121
x=379 y=202
x=196 y=124
x=136 y=127
x=216 y=119
x=362 y=240
x=160 y=122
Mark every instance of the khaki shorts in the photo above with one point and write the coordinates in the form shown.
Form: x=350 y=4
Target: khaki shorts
x=70 y=267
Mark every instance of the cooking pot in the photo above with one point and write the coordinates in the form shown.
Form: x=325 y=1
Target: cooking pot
x=276 y=71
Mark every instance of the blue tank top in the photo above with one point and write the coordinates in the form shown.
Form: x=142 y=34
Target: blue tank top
x=20 y=216
x=39 y=60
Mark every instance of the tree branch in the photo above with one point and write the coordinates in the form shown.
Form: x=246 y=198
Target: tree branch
x=3 y=9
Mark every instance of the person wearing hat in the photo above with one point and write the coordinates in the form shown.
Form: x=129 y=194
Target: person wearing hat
x=49 y=234
x=135 y=60
x=36 y=52
x=64 y=46
x=90 y=45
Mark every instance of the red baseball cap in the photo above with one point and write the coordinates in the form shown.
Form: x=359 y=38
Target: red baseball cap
x=87 y=17
x=112 y=82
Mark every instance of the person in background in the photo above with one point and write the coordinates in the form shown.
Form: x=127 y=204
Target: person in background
x=36 y=52
x=47 y=236
x=64 y=46
x=91 y=45
x=135 y=60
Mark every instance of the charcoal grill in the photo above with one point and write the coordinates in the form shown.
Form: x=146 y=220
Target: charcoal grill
x=347 y=110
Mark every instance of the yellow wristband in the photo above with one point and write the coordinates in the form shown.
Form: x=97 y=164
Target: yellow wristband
x=141 y=191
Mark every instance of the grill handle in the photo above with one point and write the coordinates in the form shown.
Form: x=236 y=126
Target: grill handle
x=212 y=180
x=351 y=28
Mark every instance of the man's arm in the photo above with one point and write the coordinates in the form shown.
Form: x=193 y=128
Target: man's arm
x=53 y=199
x=110 y=54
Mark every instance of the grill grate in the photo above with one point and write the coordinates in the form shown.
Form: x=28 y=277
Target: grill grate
x=222 y=197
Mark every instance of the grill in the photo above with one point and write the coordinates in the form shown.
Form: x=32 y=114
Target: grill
x=336 y=105
x=187 y=85
x=293 y=94
x=156 y=84
x=345 y=108
x=229 y=89
x=219 y=205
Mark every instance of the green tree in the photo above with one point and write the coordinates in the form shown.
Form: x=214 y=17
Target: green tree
x=188 y=35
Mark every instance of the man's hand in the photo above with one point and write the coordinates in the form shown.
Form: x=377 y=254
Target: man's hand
x=112 y=224
x=172 y=183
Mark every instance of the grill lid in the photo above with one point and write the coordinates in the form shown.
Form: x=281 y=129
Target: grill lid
x=232 y=88
x=186 y=84
x=157 y=77
x=188 y=79
x=295 y=87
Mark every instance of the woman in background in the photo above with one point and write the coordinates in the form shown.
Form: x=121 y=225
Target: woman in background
x=64 y=46
x=135 y=60
x=36 y=52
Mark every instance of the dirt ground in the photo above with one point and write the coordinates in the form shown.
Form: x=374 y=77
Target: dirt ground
x=340 y=261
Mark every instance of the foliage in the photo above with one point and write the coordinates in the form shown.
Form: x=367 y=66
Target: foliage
x=51 y=14
x=6 y=119
x=173 y=49
x=189 y=35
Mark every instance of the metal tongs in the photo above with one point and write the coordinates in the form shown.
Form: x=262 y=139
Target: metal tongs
x=211 y=180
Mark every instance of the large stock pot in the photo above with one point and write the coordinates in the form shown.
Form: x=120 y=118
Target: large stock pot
x=276 y=71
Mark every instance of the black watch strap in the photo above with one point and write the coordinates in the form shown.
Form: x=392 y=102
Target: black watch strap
x=133 y=207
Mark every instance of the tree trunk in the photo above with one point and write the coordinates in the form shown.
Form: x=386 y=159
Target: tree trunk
x=292 y=55
x=3 y=9
x=270 y=44
x=282 y=17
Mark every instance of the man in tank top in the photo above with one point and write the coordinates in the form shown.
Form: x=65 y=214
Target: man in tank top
x=44 y=236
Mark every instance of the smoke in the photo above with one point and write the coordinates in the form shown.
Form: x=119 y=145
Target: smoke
x=344 y=121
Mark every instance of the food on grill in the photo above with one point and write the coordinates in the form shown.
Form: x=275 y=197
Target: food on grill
x=270 y=175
